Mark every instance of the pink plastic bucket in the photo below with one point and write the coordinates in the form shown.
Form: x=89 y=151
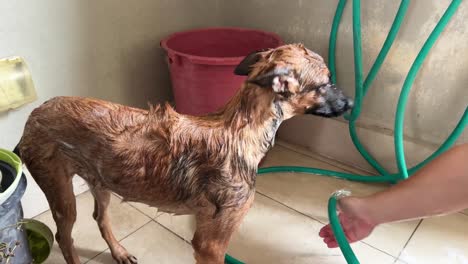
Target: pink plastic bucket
x=202 y=63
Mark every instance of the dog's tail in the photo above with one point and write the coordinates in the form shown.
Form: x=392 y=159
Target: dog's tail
x=16 y=150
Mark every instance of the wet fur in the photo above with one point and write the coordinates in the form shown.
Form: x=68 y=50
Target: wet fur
x=181 y=164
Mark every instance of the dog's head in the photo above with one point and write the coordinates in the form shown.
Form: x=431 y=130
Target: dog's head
x=299 y=79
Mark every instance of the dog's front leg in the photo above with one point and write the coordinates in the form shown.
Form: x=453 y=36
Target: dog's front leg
x=212 y=235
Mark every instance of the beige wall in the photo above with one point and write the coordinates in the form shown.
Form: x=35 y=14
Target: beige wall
x=439 y=95
x=105 y=49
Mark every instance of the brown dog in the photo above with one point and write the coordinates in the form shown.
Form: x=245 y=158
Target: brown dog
x=181 y=164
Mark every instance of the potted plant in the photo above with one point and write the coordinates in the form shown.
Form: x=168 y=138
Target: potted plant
x=21 y=240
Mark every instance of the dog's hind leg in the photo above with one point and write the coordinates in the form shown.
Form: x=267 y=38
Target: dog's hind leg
x=53 y=173
x=58 y=189
x=101 y=202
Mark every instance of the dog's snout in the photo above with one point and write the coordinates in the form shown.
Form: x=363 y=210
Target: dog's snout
x=333 y=102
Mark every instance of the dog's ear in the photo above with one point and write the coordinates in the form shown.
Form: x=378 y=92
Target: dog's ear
x=278 y=79
x=245 y=65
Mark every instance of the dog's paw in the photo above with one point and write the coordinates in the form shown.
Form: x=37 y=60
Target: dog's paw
x=125 y=258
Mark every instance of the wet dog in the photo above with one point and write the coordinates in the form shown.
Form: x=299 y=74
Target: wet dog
x=205 y=166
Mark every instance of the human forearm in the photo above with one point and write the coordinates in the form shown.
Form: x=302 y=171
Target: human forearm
x=440 y=187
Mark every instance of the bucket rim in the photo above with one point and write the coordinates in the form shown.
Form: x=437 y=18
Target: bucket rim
x=214 y=60
x=14 y=161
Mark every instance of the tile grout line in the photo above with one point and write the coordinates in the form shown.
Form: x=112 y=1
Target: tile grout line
x=172 y=232
x=312 y=218
x=399 y=261
x=287 y=206
x=120 y=240
x=325 y=159
x=409 y=239
x=136 y=208
x=158 y=214
x=347 y=168
x=378 y=249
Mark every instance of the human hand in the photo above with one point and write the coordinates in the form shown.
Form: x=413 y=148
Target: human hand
x=354 y=220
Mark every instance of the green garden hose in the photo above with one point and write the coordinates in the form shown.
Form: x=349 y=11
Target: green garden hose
x=333 y=37
x=399 y=17
x=400 y=113
x=399 y=120
x=230 y=260
x=371 y=76
x=338 y=231
x=357 y=45
x=361 y=89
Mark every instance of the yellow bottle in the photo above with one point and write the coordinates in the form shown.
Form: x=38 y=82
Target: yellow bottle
x=16 y=85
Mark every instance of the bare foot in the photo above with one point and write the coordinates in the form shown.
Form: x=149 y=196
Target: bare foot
x=354 y=220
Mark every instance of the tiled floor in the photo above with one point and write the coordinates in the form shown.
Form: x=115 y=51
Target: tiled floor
x=281 y=227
